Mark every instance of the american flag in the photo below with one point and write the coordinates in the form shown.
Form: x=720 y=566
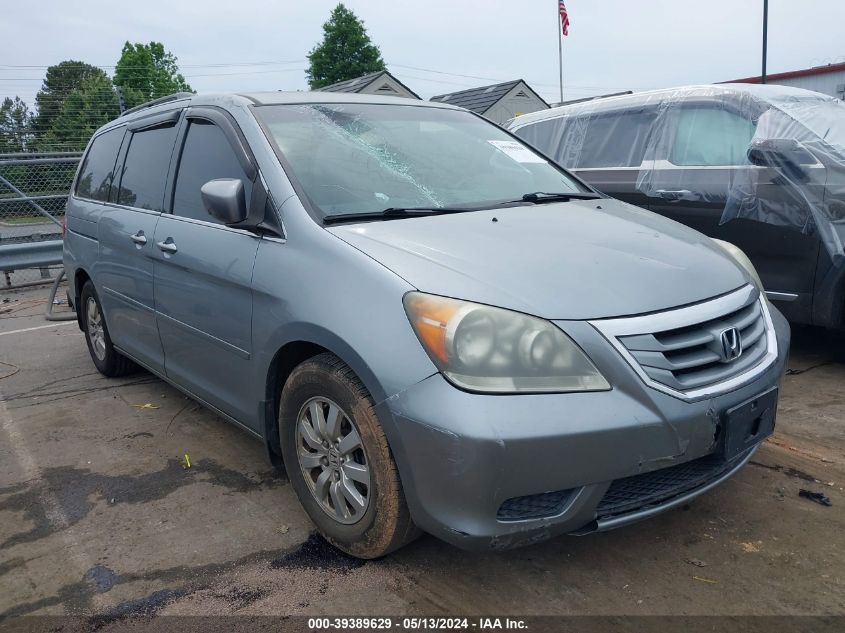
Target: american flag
x=564 y=18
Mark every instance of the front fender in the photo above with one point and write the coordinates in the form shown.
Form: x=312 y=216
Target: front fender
x=317 y=289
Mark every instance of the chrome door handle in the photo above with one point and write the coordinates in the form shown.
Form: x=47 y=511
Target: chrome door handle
x=678 y=194
x=167 y=246
x=139 y=238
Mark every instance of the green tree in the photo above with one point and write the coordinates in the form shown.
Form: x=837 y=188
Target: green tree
x=147 y=71
x=15 y=125
x=60 y=82
x=346 y=51
x=92 y=105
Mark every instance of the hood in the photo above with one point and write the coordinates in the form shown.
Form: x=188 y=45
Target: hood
x=572 y=260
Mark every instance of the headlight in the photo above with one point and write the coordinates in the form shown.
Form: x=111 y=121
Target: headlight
x=481 y=348
x=741 y=259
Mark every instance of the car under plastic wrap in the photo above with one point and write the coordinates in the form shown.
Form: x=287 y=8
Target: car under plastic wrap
x=738 y=162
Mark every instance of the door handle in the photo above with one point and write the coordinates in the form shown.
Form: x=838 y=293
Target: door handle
x=139 y=238
x=676 y=194
x=167 y=246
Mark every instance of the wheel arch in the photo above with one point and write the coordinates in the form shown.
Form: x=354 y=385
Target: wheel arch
x=80 y=277
x=297 y=344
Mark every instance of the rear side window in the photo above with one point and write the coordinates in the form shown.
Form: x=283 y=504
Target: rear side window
x=544 y=135
x=593 y=141
x=615 y=140
x=145 y=168
x=97 y=172
x=710 y=136
x=206 y=155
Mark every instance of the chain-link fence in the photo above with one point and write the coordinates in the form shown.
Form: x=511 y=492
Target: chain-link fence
x=33 y=193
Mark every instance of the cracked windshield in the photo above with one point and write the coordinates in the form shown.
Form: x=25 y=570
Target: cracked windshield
x=355 y=158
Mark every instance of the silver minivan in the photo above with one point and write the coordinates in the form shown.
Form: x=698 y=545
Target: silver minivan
x=429 y=323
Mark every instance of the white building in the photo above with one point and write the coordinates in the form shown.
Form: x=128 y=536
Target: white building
x=829 y=80
x=499 y=102
x=378 y=83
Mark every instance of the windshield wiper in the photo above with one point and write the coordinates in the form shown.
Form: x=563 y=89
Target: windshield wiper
x=539 y=197
x=394 y=212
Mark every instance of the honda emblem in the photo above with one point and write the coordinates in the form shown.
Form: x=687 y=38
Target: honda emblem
x=731 y=344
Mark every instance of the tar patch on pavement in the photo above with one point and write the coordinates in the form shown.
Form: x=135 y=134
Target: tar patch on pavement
x=102 y=578
x=241 y=597
x=317 y=553
x=146 y=606
x=74 y=487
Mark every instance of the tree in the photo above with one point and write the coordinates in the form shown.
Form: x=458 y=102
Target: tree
x=15 y=125
x=89 y=107
x=60 y=81
x=346 y=51
x=147 y=71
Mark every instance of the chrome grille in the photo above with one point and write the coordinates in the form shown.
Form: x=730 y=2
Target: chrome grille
x=682 y=351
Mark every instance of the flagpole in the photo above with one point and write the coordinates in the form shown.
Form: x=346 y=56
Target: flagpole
x=765 y=38
x=560 y=49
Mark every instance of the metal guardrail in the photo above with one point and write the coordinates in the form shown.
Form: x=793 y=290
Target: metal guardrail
x=33 y=194
x=30 y=255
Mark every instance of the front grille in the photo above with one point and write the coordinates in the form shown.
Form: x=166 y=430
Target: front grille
x=659 y=486
x=534 y=506
x=682 y=349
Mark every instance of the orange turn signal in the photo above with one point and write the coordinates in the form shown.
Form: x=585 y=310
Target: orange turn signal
x=429 y=316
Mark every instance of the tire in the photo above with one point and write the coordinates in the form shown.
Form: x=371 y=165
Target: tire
x=326 y=393
x=107 y=359
x=837 y=345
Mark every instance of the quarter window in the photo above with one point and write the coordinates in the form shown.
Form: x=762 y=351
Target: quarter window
x=546 y=136
x=615 y=140
x=97 y=172
x=145 y=168
x=710 y=136
x=588 y=141
x=206 y=155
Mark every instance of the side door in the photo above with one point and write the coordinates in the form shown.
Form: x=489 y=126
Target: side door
x=124 y=273
x=203 y=270
x=705 y=156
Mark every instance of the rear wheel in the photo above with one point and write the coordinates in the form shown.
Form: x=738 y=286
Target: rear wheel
x=338 y=460
x=107 y=359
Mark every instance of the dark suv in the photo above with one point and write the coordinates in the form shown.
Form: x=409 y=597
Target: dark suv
x=762 y=167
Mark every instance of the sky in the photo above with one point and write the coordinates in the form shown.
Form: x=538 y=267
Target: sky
x=433 y=46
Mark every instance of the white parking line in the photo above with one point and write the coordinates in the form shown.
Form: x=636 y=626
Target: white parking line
x=40 y=327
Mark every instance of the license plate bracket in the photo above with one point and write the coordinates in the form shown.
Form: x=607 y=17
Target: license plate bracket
x=749 y=423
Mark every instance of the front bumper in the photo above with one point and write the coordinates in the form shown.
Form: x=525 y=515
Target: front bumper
x=461 y=456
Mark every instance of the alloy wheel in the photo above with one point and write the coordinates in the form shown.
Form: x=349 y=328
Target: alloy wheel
x=94 y=326
x=332 y=460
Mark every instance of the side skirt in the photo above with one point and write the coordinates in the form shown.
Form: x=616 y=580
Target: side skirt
x=193 y=396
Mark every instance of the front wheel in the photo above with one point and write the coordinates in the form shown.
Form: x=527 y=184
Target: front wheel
x=339 y=462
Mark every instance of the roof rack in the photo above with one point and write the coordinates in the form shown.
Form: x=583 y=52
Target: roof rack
x=596 y=97
x=149 y=104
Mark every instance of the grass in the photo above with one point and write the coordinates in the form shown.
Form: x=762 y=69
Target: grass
x=20 y=221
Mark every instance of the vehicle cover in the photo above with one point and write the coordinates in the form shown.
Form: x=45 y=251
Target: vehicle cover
x=798 y=144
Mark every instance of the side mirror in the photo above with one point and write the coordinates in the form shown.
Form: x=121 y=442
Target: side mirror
x=785 y=154
x=225 y=200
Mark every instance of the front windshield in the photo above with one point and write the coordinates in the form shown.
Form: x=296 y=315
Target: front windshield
x=824 y=117
x=364 y=158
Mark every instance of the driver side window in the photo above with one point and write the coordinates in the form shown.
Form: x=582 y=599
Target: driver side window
x=710 y=136
x=206 y=155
